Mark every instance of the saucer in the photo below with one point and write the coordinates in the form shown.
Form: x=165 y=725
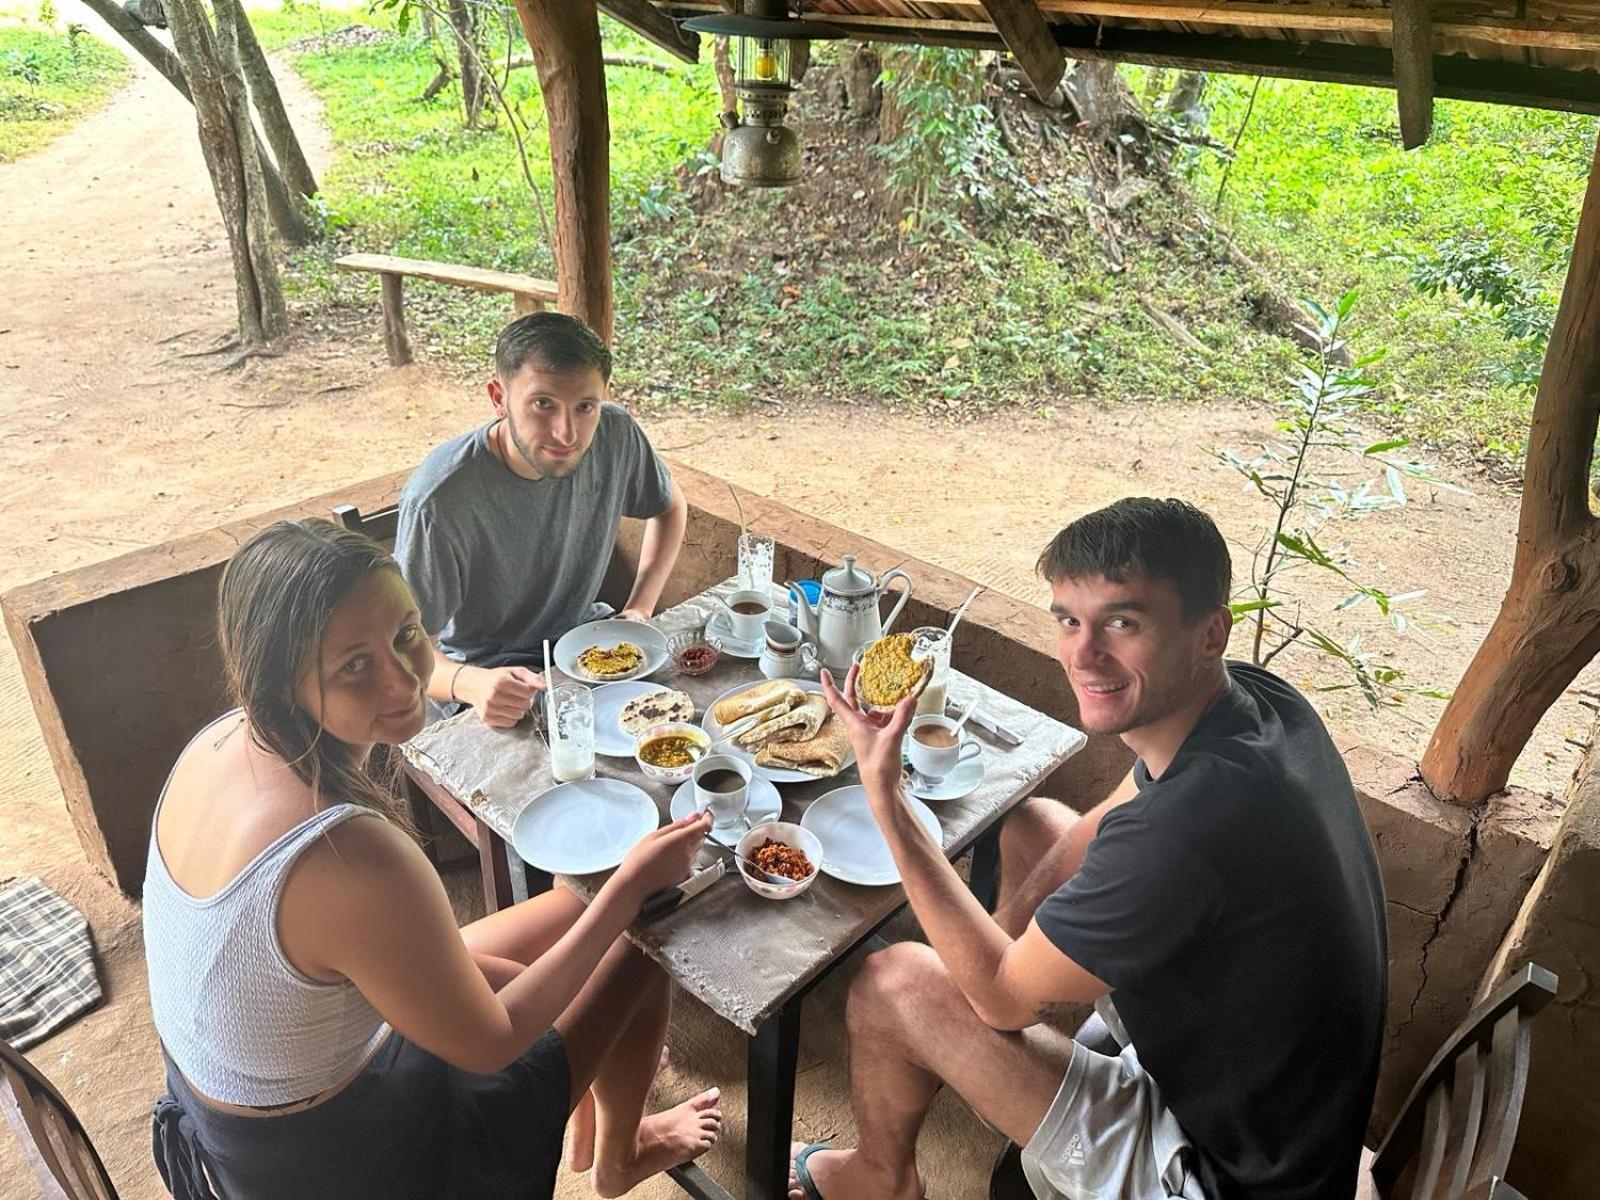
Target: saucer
x=962 y=781
x=720 y=628
x=765 y=805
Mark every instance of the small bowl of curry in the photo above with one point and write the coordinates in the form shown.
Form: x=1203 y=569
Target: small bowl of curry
x=667 y=752
x=784 y=850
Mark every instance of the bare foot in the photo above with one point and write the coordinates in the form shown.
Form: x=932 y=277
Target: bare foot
x=580 y=1128
x=666 y=1139
x=844 y=1175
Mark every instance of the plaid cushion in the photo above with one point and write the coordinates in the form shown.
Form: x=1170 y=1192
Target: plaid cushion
x=47 y=974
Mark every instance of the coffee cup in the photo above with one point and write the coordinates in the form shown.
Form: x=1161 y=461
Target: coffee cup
x=747 y=612
x=936 y=746
x=786 y=655
x=722 y=787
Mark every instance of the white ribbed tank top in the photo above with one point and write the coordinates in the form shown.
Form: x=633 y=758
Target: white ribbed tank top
x=241 y=1023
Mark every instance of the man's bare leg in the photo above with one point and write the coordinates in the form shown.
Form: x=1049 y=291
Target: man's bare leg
x=896 y=1069
x=1030 y=832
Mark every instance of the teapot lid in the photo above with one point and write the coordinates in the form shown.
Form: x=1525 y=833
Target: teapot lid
x=849 y=579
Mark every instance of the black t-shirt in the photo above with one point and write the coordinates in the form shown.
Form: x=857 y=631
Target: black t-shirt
x=1235 y=908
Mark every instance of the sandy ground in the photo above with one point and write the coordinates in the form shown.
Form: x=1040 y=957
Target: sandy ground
x=115 y=268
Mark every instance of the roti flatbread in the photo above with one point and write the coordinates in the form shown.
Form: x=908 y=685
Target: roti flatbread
x=808 y=720
x=653 y=708
x=822 y=756
x=777 y=694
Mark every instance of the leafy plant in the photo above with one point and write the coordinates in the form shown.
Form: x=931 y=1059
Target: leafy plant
x=1309 y=500
x=1473 y=269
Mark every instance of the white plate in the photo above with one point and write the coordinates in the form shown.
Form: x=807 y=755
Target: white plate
x=776 y=774
x=765 y=805
x=610 y=738
x=962 y=781
x=721 y=628
x=853 y=847
x=580 y=828
x=607 y=634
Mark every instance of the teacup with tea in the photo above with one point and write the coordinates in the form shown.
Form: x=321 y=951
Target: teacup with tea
x=722 y=787
x=936 y=747
x=748 y=611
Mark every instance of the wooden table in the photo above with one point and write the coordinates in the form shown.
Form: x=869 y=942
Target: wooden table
x=763 y=956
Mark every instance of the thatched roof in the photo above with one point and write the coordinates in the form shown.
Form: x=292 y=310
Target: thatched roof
x=1543 y=53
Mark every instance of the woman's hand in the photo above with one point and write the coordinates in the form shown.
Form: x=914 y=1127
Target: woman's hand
x=664 y=858
x=876 y=739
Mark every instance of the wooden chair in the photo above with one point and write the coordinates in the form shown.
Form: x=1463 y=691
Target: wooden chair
x=1453 y=1138
x=54 y=1141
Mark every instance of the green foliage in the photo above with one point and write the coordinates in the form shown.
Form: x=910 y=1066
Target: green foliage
x=947 y=153
x=48 y=80
x=1472 y=269
x=1309 y=497
x=1323 y=192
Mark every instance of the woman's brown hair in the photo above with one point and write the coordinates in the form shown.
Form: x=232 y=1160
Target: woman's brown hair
x=277 y=595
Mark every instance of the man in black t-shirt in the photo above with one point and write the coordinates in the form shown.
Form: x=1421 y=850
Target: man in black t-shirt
x=1226 y=897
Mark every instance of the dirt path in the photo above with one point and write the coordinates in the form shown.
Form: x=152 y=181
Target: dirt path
x=115 y=267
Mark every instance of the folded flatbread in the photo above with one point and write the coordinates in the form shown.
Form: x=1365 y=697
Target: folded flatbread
x=780 y=695
x=787 y=724
x=822 y=756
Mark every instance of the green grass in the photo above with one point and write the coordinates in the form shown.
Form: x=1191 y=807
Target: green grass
x=1322 y=189
x=48 y=80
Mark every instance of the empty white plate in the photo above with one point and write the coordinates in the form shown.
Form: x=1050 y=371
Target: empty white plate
x=609 y=701
x=776 y=774
x=580 y=828
x=607 y=634
x=853 y=847
x=765 y=805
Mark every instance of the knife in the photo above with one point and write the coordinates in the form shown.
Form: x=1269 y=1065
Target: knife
x=668 y=899
x=984 y=721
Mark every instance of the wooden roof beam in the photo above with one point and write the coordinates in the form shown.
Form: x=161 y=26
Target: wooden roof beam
x=1027 y=35
x=655 y=27
x=1412 y=41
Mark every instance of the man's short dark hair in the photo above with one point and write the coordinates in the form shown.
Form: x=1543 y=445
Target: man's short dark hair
x=1150 y=539
x=552 y=342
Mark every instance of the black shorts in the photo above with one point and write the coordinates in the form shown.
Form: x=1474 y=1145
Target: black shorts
x=409 y=1125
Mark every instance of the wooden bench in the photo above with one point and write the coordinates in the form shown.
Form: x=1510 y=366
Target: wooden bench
x=528 y=293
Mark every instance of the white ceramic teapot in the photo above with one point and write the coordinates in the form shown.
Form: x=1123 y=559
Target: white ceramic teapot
x=846 y=617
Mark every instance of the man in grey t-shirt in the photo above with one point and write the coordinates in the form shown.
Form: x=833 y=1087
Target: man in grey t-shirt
x=506 y=531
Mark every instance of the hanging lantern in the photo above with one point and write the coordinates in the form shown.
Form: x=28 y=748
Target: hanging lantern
x=759 y=149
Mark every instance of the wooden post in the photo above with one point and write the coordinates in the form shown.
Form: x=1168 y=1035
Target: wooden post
x=1411 y=40
x=394 y=320
x=1548 y=627
x=1027 y=35
x=565 y=38
x=523 y=304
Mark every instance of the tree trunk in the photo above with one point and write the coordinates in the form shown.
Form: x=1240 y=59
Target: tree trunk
x=288 y=218
x=1548 y=627
x=1184 y=101
x=862 y=91
x=565 y=38
x=269 y=104
x=462 y=24
x=230 y=153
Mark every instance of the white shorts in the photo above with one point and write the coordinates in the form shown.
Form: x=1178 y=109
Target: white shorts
x=1107 y=1135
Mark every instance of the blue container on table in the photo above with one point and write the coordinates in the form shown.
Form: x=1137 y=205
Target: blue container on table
x=813 y=590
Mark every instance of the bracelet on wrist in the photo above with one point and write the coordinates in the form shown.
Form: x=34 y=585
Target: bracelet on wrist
x=454 y=699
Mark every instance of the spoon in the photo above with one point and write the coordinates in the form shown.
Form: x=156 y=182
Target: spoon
x=972 y=707
x=962 y=611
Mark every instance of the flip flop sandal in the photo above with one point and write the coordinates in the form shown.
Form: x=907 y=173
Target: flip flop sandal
x=803 y=1172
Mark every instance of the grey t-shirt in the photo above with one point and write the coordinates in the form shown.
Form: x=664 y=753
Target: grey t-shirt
x=499 y=563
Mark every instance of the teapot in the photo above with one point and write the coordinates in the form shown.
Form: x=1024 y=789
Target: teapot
x=846 y=617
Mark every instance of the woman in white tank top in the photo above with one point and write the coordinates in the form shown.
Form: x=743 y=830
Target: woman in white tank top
x=328 y=1029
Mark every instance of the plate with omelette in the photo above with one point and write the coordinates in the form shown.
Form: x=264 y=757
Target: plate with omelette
x=794 y=739
x=611 y=650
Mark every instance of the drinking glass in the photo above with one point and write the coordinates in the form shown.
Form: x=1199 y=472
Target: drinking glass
x=571 y=718
x=755 y=563
x=933 y=642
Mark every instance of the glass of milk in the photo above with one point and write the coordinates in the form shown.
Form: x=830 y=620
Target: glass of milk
x=933 y=642
x=570 y=709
